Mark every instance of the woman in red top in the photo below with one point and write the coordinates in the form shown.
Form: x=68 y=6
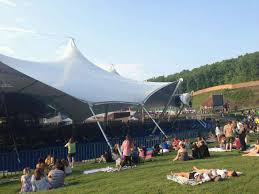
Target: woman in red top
x=175 y=143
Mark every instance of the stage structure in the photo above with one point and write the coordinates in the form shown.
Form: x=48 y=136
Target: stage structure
x=79 y=88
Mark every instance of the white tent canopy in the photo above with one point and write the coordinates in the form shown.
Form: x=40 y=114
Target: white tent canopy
x=76 y=86
x=77 y=76
x=73 y=82
x=113 y=70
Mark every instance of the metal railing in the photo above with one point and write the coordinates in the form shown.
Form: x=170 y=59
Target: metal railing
x=9 y=162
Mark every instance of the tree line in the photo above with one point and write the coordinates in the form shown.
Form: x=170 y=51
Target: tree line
x=236 y=70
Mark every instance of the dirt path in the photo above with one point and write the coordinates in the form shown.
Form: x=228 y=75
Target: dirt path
x=228 y=86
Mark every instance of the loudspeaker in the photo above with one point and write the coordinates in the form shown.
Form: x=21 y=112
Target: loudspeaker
x=217 y=100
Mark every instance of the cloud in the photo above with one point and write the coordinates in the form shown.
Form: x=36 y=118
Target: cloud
x=9 y=3
x=17 y=29
x=6 y=50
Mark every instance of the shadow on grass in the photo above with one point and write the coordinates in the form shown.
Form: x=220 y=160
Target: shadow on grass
x=72 y=183
x=225 y=154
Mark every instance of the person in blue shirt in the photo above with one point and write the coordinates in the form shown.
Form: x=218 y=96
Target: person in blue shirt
x=164 y=146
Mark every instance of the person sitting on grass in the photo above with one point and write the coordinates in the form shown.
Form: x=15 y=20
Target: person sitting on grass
x=187 y=143
x=106 y=157
x=50 y=161
x=56 y=177
x=200 y=141
x=142 y=151
x=204 y=150
x=135 y=156
x=200 y=149
x=39 y=182
x=195 y=151
x=164 y=146
x=145 y=153
x=41 y=166
x=26 y=180
x=67 y=167
x=175 y=143
x=116 y=155
x=182 y=153
x=116 y=152
x=157 y=150
x=254 y=151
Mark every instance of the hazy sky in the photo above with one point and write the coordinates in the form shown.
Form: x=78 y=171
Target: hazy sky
x=143 y=38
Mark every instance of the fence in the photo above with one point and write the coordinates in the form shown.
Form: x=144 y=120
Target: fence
x=10 y=162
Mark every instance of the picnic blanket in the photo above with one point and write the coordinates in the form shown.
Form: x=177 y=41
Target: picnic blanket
x=182 y=180
x=216 y=150
x=185 y=181
x=97 y=170
x=107 y=169
x=251 y=155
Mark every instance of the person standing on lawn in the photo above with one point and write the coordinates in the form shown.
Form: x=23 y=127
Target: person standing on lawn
x=228 y=131
x=127 y=148
x=242 y=135
x=71 y=146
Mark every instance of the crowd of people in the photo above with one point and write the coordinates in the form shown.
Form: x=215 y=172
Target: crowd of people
x=251 y=118
x=122 y=155
x=233 y=135
x=129 y=154
x=49 y=173
x=199 y=149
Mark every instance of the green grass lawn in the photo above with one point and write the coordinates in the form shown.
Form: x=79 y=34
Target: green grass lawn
x=150 y=177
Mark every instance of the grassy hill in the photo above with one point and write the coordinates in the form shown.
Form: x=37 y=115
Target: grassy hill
x=242 y=98
x=150 y=177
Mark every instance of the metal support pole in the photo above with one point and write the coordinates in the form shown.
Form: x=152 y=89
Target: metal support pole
x=100 y=127
x=106 y=116
x=168 y=103
x=154 y=121
x=177 y=115
x=142 y=115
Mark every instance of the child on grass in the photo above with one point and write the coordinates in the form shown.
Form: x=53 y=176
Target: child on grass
x=39 y=181
x=26 y=181
x=67 y=167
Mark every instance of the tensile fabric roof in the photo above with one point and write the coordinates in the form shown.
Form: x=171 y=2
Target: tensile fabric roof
x=72 y=83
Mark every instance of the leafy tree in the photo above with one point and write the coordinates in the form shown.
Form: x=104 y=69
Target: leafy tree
x=241 y=69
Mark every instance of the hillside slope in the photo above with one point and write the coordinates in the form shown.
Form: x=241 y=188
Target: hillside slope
x=237 y=98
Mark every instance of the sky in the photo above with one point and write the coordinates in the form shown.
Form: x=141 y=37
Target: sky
x=142 y=39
